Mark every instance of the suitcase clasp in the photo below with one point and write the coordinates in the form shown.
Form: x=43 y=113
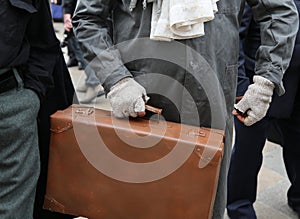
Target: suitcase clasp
x=84 y=111
x=199 y=151
x=196 y=133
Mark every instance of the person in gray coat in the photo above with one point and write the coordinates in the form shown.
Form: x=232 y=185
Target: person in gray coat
x=193 y=80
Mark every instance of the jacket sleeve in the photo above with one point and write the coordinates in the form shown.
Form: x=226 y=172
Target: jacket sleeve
x=92 y=25
x=278 y=20
x=44 y=50
x=69 y=6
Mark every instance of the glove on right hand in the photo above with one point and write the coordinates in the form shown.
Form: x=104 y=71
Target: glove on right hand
x=127 y=98
x=256 y=101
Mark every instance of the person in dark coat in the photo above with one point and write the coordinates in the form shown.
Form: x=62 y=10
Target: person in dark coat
x=90 y=85
x=74 y=51
x=30 y=72
x=192 y=79
x=284 y=113
x=59 y=97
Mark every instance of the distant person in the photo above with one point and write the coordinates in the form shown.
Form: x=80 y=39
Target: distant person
x=89 y=85
x=72 y=61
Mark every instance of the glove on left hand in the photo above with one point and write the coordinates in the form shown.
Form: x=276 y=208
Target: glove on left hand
x=127 y=98
x=256 y=101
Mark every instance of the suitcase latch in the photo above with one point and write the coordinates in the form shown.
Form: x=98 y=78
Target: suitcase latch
x=196 y=133
x=199 y=151
x=84 y=111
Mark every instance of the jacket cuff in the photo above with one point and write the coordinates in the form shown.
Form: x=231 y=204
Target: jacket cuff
x=39 y=90
x=115 y=77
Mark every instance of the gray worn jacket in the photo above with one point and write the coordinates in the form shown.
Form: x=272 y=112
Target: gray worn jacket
x=193 y=80
x=216 y=52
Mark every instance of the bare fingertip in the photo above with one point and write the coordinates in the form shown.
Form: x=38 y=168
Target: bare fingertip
x=141 y=114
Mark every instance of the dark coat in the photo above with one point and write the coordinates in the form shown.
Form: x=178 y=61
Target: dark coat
x=69 y=6
x=59 y=98
x=27 y=44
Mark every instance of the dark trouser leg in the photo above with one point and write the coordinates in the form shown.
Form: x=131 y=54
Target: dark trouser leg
x=91 y=79
x=291 y=153
x=19 y=155
x=71 y=53
x=246 y=160
x=74 y=45
x=72 y=61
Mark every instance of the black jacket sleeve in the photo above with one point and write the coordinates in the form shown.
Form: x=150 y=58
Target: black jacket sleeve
x=44 y=50
x=69 y=6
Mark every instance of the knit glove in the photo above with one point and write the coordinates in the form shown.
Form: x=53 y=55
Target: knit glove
x=127 y=98
x=256 y=101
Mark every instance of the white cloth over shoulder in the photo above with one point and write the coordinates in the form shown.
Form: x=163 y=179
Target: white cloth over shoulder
x=180 y=19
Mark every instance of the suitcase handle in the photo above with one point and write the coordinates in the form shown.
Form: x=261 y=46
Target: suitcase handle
x=82 y=110
x=153 y=109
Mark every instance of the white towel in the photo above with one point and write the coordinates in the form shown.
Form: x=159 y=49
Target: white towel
x=180 y=19
x=160 y=23
x=214 y=5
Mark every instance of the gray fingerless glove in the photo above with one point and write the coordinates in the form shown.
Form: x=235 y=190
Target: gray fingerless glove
x=256 y=101
x=127 y=98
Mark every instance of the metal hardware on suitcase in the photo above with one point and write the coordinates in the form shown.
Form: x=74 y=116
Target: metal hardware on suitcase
x=101 y=167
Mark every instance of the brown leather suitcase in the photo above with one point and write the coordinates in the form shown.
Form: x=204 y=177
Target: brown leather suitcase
x=101 y=167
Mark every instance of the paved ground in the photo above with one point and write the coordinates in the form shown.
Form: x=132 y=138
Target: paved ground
x=273 y=183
